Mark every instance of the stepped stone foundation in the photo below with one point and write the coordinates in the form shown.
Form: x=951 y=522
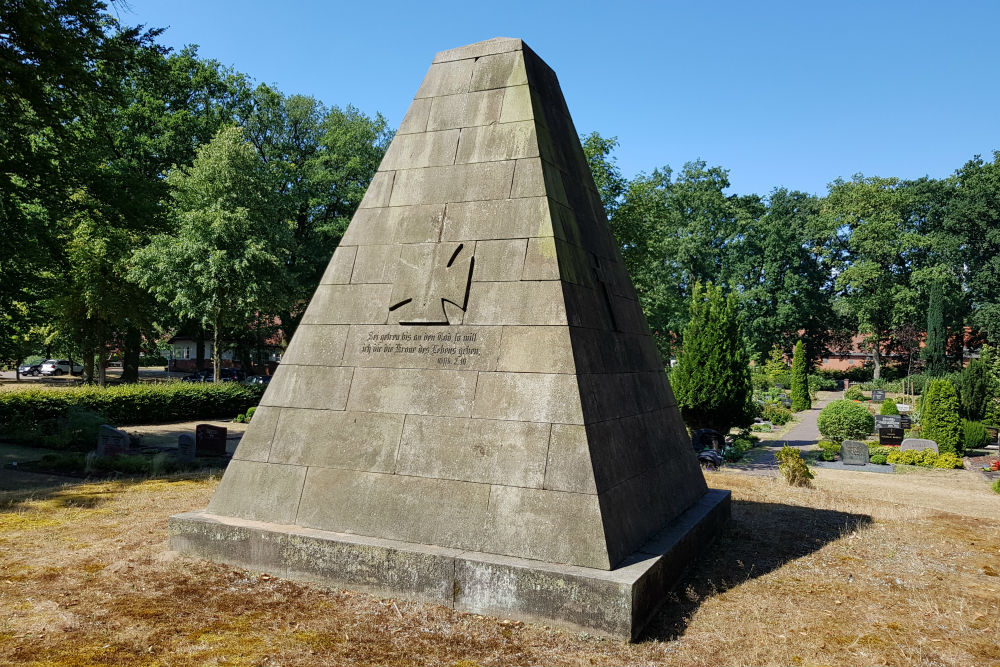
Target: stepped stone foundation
x=473 y=411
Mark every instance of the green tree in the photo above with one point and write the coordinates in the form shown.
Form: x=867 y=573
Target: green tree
x=933 y=353
x=227 y=259
x=939 y=416
x=800 y=380
x=888 y=407
x=991 y=361
x=712 y=379
x=974 y=390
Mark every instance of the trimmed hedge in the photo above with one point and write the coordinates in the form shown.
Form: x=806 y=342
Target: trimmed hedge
x=844 y=420
x=889 y=407
x=128 y=404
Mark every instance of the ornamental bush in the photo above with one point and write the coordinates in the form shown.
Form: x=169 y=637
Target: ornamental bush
x=854 y=394
x=828 y=450
x=845 y=420
x=974 y=435
x=792 y=467
x=939 y=416
x=889 y=407
x=800 y=380
x=974 y=390
x=776 y=414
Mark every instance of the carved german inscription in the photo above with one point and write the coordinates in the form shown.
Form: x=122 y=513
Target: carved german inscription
x=454 y=348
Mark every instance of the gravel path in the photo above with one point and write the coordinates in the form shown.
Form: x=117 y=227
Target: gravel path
x=761 y=461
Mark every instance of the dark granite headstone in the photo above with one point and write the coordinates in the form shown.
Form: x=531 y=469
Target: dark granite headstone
x=905 y=422
x=878 y=395
x=787 y=402
x=210 y=440
x=854 y=453
x=918 y=444
x=888 y=421
x=111 y=441
x=890 y=436
x=186 y=447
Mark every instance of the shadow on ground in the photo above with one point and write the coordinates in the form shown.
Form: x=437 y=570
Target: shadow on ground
x=760 y=538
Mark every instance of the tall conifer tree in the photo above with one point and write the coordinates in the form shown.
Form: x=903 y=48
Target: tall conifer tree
x=800 y=380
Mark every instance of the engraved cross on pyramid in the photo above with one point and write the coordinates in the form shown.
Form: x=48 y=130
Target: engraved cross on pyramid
x=536 y=432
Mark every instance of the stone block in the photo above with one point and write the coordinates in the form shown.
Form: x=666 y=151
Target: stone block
x=499 y=71
x=499 y=261
x=413 y=391
x=312 y=387
x=412 y=509
x=474 y=450
x=550 y=526
x=186 y=448
x=211 y=440
x=317 y=345
x=376 y=264
x=349 y=304
x=111 y=441
x=535 y=178
x=408 y=224
x=517 y=105
x=569 y=467
x=379 y=190
x=479 y=49
x=541 y=261
x=504 y=141
x=416 y=117
x=338 y=271
x=465 y=110
x=451 y=348
x=854 y=453
x=260 y=491
x=427 y=149
x=536 y=350
x=503 y=219
x=516 y=303
x=255 y=445
x=530 y=397
x=446 y=78
x=334 y=439
x=919 y=444
x=456 y=183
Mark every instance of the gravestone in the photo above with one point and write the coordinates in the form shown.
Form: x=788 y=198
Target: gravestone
x=473 y=411
x=854 y=453
x=186 y=447
x=787 y=402
x=918 y=444
x=890 y=436
x=112 y=442
x=878 y=395
x=904 y=407
x=905 y=422
x=210 y=440
x=888 y=421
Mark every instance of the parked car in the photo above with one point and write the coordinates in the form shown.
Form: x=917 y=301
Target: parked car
x=259 y=379
x=30 y=369
x=205 y=375
x=60 y=367
x=232 y=375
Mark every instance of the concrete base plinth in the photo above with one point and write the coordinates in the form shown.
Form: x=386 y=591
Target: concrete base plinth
x=616 y=603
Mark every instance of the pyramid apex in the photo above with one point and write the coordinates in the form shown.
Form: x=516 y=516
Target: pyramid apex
x=479 y=49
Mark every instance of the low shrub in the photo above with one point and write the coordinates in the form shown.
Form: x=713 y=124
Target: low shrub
x=889 y=407
x=737 y=449
x=845 y=420
x=948 y=460
x=895 y=386
x=996 y=486
x=250 y=412
x=829 y=449
x=792 y=467
x=760 y=428
x=39 y=415
x=926 y=458
x=975 y=435
x=855 y=394
x=879 y=459
x=821 y=383
x=875 y=449
x=776 y=414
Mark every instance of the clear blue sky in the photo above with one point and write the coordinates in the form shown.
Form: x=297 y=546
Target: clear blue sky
x=791 y=94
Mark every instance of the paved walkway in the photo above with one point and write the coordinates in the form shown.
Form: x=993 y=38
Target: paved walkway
x=804 y=434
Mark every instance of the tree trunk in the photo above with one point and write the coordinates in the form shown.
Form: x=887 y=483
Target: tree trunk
x=88 y=367
x=877 y=358
x=199 y=349
x=102 y=366
x=130 y=358
x=216 y=354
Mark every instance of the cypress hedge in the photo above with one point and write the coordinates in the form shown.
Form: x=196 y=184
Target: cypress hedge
x=939 y=417
x=800 y=380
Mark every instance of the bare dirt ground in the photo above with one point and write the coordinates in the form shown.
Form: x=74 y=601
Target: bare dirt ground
x=862 y=569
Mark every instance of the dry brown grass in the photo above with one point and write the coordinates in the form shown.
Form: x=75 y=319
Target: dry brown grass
x=862 y=569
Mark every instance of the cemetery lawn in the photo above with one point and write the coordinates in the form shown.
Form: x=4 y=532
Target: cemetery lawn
x=862 y=569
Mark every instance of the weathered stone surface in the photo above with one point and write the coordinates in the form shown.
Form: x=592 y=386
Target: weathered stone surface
x=210 y=440
x=255 y=445
x=523 y=302
x=427 y=149
x=569 y=467
x=446 y=78
x=500 y=219
x=338 y=271
x=465 y=110
x=480 y=49
x=499 y=261
x=412 y=509
x=416 y=117
x=455 y=348
x=334 y=439
x=457 y=183
x=499 y=71
x=259 y=491
x=854 y=453
x=376 y=264
x=474 y=450
x=314 y=387
x=505 y=141
x=531 y=397
x=317 y=345
x=919 y=444
x=413 y=391
x=516 y=105
x=378 y=191
x=432 y=284
x=536 y=350
x=410 y=224
x=349 y=304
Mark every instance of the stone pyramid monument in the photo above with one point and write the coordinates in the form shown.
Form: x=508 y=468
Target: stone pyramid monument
x=473 y=410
